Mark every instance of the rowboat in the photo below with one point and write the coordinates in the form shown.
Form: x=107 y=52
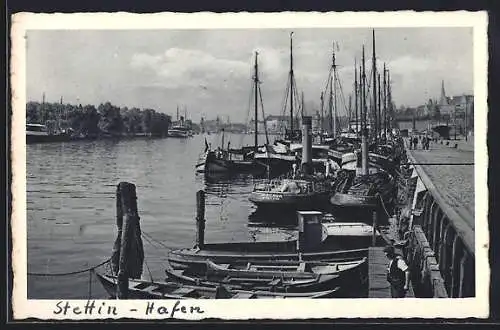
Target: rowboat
x=141 y=289
x=290 y=270
x=327 y=277
x=259 y=251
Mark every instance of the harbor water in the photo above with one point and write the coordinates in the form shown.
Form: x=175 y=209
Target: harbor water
x=71 y=217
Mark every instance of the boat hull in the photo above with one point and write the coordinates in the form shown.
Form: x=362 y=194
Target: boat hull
x=273 y=200
x=261 y=252
x=140 y=289
x=47 y=138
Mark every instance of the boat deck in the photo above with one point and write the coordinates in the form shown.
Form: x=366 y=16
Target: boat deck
x=377 y=267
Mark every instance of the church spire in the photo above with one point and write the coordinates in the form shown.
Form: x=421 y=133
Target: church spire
x=443 y=99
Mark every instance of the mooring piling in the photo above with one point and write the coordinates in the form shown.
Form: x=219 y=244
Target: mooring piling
x=200 y=219
x=128 y=252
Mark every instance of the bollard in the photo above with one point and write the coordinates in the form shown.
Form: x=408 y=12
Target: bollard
x=200 y=219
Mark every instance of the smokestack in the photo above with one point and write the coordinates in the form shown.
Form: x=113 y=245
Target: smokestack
x=306 y=145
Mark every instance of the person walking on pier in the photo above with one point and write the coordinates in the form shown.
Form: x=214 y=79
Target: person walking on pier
x=415 y=142
x=398 y=273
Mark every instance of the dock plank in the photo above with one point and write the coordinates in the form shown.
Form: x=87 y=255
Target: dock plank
x=377 y=266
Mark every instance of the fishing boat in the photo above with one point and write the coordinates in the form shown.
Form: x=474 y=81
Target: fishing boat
x=235 y=161
x=364 y=190
x=213 y=162
x=291 y=193
x=376 y=162
x=141 y=289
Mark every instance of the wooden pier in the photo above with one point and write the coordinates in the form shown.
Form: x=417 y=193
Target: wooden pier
x=378 y=286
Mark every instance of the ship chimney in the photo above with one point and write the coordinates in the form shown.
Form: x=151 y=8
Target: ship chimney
x=306 y=145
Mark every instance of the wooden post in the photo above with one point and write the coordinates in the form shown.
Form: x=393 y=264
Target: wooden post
x=374 y=232
x=200 y=219
x=455 y=267
x=130 y=251
x=462 y=283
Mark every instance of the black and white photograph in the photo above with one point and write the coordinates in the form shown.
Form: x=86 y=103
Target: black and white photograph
x=177 y=166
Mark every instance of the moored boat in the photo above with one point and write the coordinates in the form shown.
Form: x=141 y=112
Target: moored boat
x=365 y=190
x=141 y=289
x=291 y=193
x=319 y=277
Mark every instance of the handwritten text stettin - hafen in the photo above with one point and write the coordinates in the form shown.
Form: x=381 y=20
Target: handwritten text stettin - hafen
x=151 y=308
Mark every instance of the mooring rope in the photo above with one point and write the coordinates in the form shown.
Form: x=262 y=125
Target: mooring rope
x=383 y=206
x=71 y=273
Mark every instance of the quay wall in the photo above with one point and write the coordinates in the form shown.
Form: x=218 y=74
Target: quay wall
x=439 y=233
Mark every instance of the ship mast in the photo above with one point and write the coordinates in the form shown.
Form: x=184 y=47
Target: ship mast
x=379 y=106
x=256 y=86
x=355 y=95
x=374 y=77
x=385 y=101
x=334 y=92
x=42 y=112
x=364 y=137
x=322 y=118
x=330 y=106
x=389 y=100
x=291 y=83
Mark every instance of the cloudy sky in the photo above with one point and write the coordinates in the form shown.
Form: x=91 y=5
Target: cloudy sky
x=210 y=71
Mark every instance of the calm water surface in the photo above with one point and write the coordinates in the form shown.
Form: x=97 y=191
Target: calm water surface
x=71 y=206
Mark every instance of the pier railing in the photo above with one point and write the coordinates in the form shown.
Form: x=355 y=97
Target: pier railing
x=442 y=239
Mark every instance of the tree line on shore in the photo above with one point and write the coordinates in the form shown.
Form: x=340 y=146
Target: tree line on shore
x=106 y=119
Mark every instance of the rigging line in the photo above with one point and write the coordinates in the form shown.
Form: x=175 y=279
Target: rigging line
x=328 y=82
x=297 y=105
x=263 y=115
x=248 y=110
x=144 y=257
x=383 y=205
x=342 y=96
x=148 y=236
x=284 y=103
x=71 y=273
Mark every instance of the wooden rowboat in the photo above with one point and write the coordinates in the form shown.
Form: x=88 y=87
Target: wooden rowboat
x=140 y=289
x=277 y=269
x=259 y=252
x=305 y=278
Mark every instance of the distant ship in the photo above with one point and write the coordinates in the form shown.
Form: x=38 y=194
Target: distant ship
x=179 y=129
x=38 y=133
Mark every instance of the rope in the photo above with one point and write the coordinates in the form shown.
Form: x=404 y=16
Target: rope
x=263 y=116
x=383 y=206
x=145 y=262
x=150 y=238
x=71 y=273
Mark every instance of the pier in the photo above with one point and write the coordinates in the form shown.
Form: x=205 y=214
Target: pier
x=377 y=273
x=440 y=211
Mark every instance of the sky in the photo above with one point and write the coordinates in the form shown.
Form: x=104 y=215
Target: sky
x=209 y=71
